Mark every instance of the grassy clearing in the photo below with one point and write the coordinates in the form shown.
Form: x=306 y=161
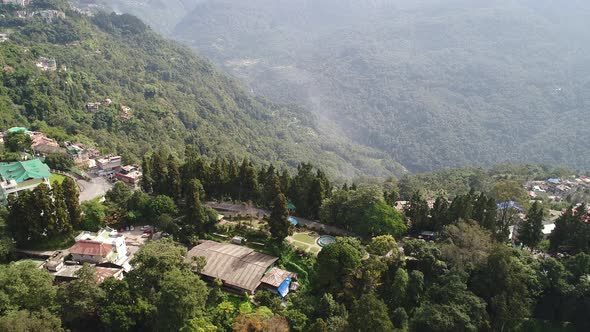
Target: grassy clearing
x=305 y=238
x=56 y=177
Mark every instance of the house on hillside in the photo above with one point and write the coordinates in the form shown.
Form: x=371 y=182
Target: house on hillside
x=3 y=37
x=109 y=163
x=22 y=175
x=94 y=252
x=46 y=64
x=44 y=145
x=93 y=107
x=241 y=269
x=129 y=174
x=111 y=237
x=280 y=281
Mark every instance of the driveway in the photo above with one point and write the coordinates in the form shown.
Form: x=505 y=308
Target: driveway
x=94 y=188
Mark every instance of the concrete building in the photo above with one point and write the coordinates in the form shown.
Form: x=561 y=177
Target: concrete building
x=109 y=163
x=108 y=236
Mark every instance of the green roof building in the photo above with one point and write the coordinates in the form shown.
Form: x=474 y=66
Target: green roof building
x=22 y=175
x=17 y=130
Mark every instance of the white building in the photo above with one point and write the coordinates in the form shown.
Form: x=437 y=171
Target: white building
x=107 y=236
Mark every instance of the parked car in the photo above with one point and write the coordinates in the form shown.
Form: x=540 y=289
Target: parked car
x=147 y=231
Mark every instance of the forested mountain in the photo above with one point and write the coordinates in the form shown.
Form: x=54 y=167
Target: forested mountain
x=431 y=83
x=176 y=98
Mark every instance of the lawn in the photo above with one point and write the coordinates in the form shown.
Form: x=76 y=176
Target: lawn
x=56 y=177
x=305 y=238
x=305 y=242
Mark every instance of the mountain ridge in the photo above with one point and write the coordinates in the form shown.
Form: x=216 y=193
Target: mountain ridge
x=176 y=98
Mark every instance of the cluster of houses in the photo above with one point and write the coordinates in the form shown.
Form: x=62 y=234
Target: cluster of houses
x=47 y=15
x=125 y=112
x=106 y=251
x=28 y=173
x=240 y=269
x=22 y=3
x=556 y=189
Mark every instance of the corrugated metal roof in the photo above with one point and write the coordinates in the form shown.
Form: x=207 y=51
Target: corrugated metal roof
x=276 y=276
x=91 y=248
x=235 y=265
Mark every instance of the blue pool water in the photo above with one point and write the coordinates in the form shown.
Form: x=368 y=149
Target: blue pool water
x=293 y=221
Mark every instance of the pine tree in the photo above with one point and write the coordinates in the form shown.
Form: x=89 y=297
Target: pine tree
x=285 y=180
x=439 y=213
x=43 y=211
x=72 y=199
x=531 y=231
x=21 y=220
x=417 y=210
x=62 y=218
x=248 y=182
x=279 y=219
x=147 y=182
x=315 y=197
x=173 y=178
x=195 y=218
x=272 y=188
x=159 y=173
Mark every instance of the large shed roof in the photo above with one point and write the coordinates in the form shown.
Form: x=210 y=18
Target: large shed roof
x=237 y=266
x=21 y=171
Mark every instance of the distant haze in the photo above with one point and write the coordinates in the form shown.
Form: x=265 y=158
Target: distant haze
x=431 y=83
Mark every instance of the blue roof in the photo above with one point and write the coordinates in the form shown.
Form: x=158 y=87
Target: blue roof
x=283 y=288
x=510 y=205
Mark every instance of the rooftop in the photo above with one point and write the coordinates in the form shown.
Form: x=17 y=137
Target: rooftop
x=236 y=266
x=91 y=248
x=21 y=171
x=275 y=277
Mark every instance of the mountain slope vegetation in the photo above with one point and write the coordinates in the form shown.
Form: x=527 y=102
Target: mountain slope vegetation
x=176 y=98
x=433 y=84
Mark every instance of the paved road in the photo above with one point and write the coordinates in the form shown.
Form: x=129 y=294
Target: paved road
x=94 y=188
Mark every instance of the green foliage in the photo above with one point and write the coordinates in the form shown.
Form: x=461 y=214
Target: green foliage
x=25 y=321
x=24 y=287
x=94 y=215
x=369 y=313
x=362 y=211
x=176 y=98
x=182 y=297
x=572 y=232
x=531 y=232
x=119 y=195
x=278 y=222
x=335 y=265
x=17 y=142
x=59 y=161
x=382 y=245
x=40 y=215
x=79 y=299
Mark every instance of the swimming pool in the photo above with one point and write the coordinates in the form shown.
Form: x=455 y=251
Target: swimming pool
x=325 y=240
x=293 y=221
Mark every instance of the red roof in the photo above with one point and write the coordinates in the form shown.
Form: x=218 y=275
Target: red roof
x=104 y=272
x=91 y=248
